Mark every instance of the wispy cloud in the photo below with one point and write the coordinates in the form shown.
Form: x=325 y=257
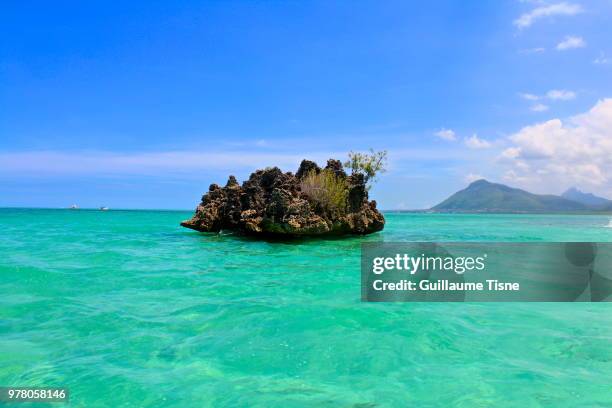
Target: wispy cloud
x=471 y=177
x=560 y=94
x=143 y=163
x=474 y=142
x=186 y=164
x=552 y=95
x=536 y=50
x=446 y=134
x=571 y=42
x=558 y=9
x=602 y=59
x=529 y=96
x=539 y=107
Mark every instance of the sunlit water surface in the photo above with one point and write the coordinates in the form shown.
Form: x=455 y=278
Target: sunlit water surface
x=128 y=309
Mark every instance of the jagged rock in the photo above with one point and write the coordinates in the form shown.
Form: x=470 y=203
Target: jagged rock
x=336 y=167
x=271 y=202
x=358 y=193
x=306 y=166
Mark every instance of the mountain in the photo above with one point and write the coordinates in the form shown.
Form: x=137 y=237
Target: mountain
x=607 y=207
x=588 y=199
x=483 y=196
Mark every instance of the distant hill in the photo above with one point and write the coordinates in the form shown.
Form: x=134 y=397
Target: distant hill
x=483 y=196
x=607 y=207
x=588 y=199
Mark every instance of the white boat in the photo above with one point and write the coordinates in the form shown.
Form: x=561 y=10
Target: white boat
x=103 y=208
x=74 y=207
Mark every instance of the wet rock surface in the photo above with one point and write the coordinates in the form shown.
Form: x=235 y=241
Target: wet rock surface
x=272 y=203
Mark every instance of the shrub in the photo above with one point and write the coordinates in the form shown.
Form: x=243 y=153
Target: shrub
x=367 y=164
x=326 y=189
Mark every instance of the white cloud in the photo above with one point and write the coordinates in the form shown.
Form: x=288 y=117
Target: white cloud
x=560 y=94
x=474 y=142
x=529 y=97
x=559 y=153
x=558 y=9
x=553 y=95
x=446 y=134
x=602 y=59
x=571 y=42
x=536 y=50
x=539 y=107
x=511 y=153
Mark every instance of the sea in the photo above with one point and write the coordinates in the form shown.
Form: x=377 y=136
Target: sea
x=128 y=309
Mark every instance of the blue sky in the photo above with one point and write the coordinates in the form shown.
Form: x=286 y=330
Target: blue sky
x=144 y=104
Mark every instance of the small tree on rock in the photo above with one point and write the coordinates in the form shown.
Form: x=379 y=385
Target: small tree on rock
x=369 y=164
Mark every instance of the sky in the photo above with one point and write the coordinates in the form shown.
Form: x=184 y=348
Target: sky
x=143 y=104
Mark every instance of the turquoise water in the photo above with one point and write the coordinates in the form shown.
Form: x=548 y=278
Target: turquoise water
x=128 y=309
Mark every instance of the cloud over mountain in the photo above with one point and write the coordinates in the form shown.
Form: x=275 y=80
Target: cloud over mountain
x=574 y=151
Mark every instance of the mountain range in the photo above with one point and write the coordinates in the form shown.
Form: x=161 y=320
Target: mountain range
x=586 y=198
x=484 y=196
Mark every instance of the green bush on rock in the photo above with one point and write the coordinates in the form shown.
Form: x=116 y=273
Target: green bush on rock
x=326 y=189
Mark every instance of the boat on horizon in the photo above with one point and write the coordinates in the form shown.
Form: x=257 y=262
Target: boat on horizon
x=103 y=208
x=74 y=207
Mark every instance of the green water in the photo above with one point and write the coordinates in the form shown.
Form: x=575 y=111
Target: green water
x=127 y=309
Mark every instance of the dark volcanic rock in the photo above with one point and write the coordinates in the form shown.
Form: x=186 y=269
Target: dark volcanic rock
x=271 y=202
x=306 y=166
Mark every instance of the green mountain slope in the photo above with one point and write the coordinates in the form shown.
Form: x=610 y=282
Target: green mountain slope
x=588 y=199
x=483 y=196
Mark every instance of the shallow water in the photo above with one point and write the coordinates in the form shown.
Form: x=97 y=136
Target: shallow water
x=128 y=309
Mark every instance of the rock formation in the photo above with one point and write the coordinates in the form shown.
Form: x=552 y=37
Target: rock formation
x=271 y=202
